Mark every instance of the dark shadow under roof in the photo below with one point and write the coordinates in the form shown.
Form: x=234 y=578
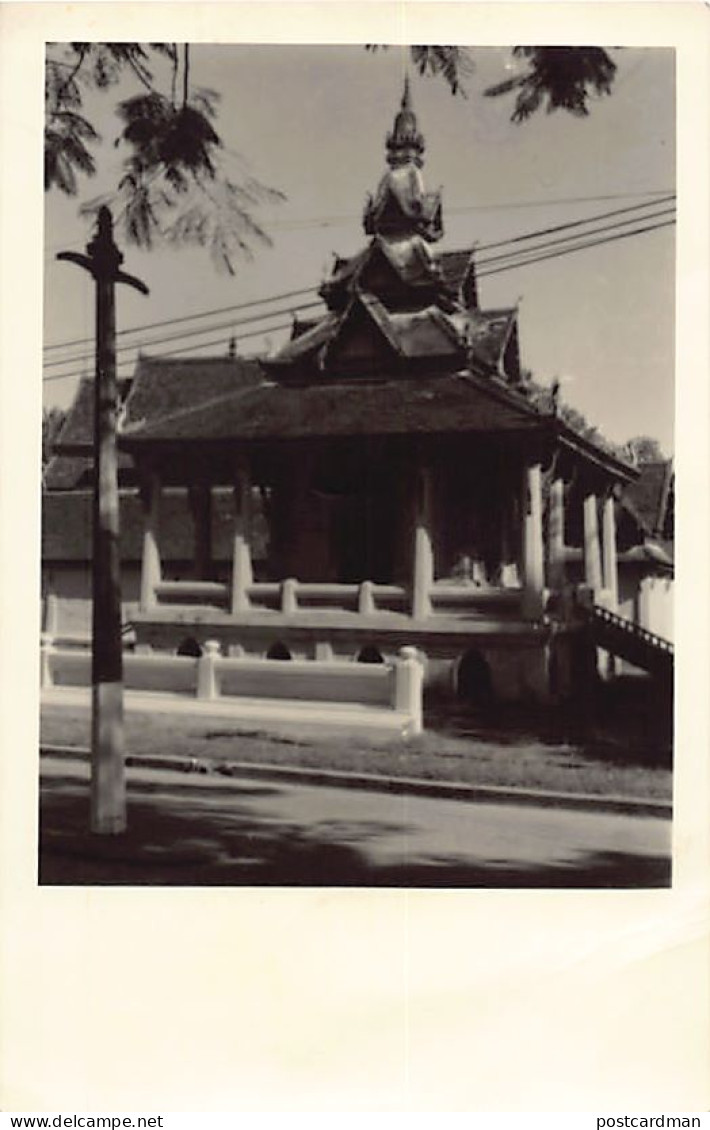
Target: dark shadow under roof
x=66 y=527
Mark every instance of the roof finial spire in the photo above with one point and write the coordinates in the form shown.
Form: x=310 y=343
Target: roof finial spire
x=405 y=144
x=406 y=103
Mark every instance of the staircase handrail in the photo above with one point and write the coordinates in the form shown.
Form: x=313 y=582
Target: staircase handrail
x=630 y=628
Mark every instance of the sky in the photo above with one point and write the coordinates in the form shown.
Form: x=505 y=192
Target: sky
x=311 y=122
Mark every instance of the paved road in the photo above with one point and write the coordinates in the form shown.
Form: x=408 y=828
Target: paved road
x=195 y=830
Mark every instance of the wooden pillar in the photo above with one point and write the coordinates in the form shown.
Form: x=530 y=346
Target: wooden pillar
x=423 y=565
x=201 y=505
x=592 y=555
x=242 y=573
x=510 y=565
x=611 y=575
x=150 y=560
x=556 y=535
x=533 y=551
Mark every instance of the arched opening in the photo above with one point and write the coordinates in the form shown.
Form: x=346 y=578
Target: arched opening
x=190 y=647
x=369 y=654
x=473 y=680
x=278 y=650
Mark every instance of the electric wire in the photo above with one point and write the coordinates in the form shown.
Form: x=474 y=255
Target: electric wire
x=576 y=247
x=328 y=221
x=518 y=257
x=577 y=223
x=233 y=324
x=526 y=257
x=311 y=290
x=663 y=214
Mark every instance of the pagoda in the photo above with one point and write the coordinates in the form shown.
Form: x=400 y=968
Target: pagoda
x=402 y=485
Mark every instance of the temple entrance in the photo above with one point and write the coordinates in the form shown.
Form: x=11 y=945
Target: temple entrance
x=354 y=497
x=362 y=536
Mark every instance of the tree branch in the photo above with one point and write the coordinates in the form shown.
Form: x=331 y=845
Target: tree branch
x=70 y=79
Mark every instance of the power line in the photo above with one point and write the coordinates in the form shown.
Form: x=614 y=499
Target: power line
x=325 y=221
x=578 y=223
x=311 y=290
x=515 y=257
x=566 y=239
x=172 y=352
x=576 y=247
x=343 y=218
x=560 y=200
x=233 y=324
x=191 y=317
x=527 y=258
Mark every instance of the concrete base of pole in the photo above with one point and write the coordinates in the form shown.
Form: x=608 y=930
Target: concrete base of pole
x=108 y=782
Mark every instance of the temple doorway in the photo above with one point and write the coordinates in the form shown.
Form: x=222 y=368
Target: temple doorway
x=362 y=535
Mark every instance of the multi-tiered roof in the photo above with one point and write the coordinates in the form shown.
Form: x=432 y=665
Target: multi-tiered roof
x=394 y=307
x=403 y=348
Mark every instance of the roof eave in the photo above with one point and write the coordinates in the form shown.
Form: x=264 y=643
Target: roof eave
x=567 y=436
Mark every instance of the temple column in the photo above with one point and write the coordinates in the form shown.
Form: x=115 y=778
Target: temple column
x=151 y=571
x=610 y=568
x=242 y=574
x=592 y=555
x=201 y=506
x=533 y=551
x=556 y=535
x=423 y=565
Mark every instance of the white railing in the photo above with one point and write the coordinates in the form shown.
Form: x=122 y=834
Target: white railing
x=192 y=592
x=396 y=686
x=288 y=596
x=461 y=598
x=291 y=596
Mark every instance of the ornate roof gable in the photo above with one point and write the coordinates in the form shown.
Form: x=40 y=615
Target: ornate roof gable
x=392 y=269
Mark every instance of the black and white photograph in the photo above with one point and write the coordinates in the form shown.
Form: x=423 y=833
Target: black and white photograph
x=354 y=468
x=358 y=478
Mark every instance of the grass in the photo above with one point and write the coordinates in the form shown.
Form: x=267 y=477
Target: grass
x=525 y=753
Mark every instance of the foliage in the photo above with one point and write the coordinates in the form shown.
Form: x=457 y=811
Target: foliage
x=454 y=64
x=546 y=398
x=72 y=69
x=559 y=78
x=639 y=450
x=52 y=422
x=175 y=186
x=646 y=449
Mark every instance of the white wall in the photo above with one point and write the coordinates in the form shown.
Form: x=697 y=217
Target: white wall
x=656 y=605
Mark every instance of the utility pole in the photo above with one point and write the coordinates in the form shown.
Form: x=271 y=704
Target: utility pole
x=108 y=786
